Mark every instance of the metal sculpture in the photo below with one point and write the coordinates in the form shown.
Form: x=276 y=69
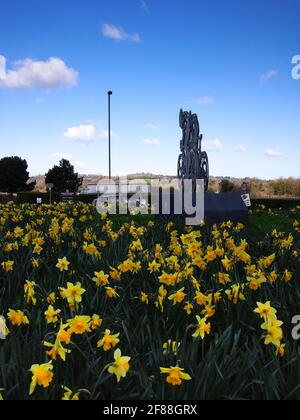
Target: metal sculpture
x=192 y=162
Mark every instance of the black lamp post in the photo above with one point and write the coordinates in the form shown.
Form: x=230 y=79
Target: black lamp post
x=109 y=134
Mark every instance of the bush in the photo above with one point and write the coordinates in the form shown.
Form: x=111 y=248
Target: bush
x=31 y=197
x=85 y=198
x=276 y=203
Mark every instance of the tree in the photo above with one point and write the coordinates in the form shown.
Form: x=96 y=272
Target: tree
x=226 y=186
x=14 y=175
x=63 y=177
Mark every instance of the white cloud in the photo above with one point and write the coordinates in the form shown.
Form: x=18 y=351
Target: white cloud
x=118 y=34
x=30 y=74
x=268 y=75
x=240 y=148
x=205 y=100
x=213 y=145
x=81 y=133
x=273 y=153
x=60 y=155
x=152 y=142
x=153 y=127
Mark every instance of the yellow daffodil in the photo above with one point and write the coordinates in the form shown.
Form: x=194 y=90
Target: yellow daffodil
x=7 y=265
x=29 y=290
x=52 y=315
x=168 y=278
x=56 y=349
x=272 y=277
x=41 y=375
x=196 y=284
x=203 y=328
x=153 y=266
x=250 y=269
x=109 y=341
x=120 y=366
x=200 y=263
x=256 y=281
x=172 y=346
x=96 y=322
x=80 y=324
x=274 y=332
x=209 y=311
x=280 y=351
x=51 y=299
x=18 y=232
x=287 y=276
x=136 y=246
x=126 y=266
x=175 y=375
x=144 y=298
x=269 y=260
x=63 y=335
x=200 y=298
x=69 y=395
x=188 y=307
x=227 y=263
x=17 y=318
x=235 y=293
x=223 y=278
x=62 y=264
x=73 y=293
x=114 y=274
x=101 y=279
x=162 y=291
x=178 y=296
x=35 y=262
x=90 y=249
x=111 y=292
x=265 y=311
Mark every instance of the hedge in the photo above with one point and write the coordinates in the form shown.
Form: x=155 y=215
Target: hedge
x=276 y=203
x=85 y=198
x=30 y=197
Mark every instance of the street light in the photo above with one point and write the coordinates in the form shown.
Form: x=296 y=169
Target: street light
x=109 y=134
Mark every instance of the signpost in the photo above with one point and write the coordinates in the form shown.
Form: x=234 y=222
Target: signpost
x=245 y=194
x=67 y=197
x=49 y=188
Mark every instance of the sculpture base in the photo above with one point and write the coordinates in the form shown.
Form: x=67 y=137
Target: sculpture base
x=218 y=208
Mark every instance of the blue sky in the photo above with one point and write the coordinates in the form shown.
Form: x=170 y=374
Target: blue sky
x=228 y=61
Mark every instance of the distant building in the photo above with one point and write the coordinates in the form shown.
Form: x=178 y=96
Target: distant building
x=132 y=188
